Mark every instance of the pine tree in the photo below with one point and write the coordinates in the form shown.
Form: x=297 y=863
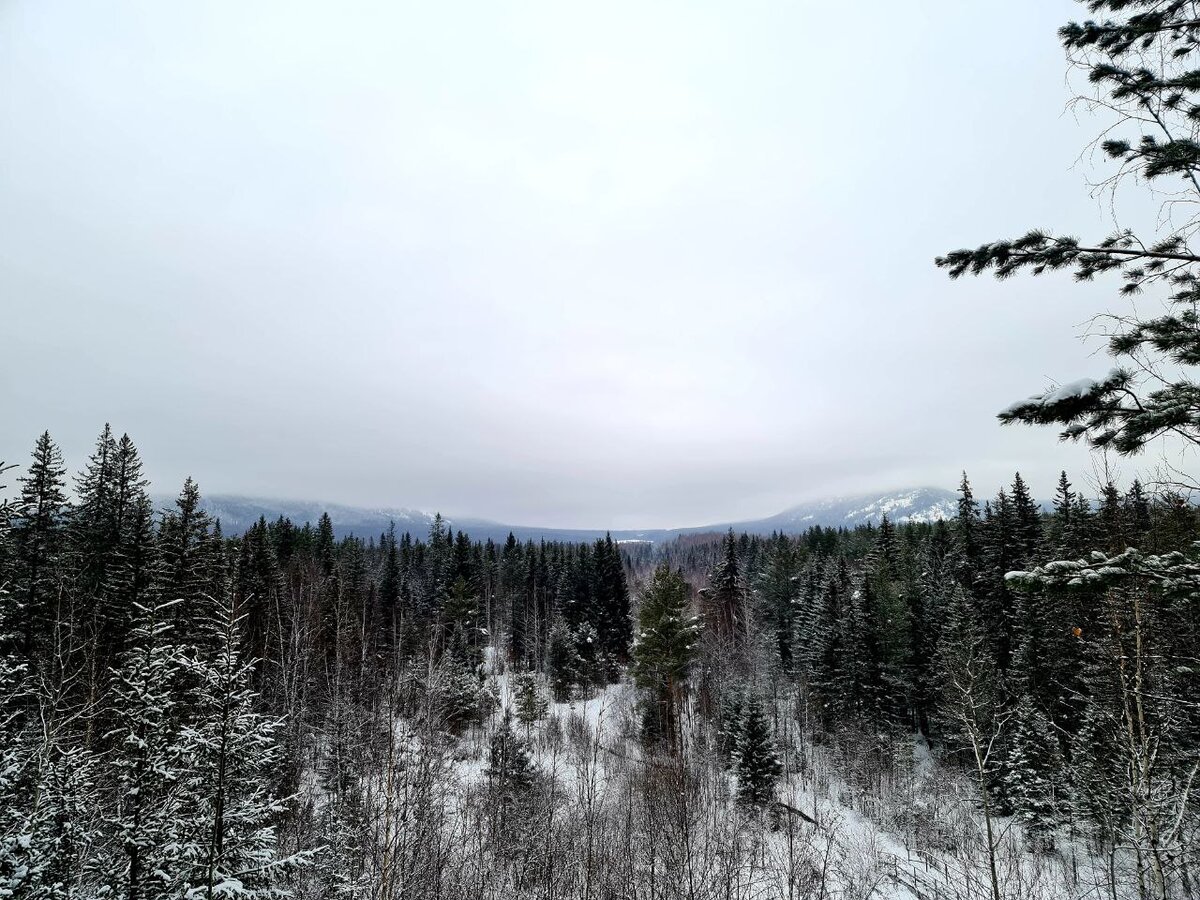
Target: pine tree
x=1140 y=58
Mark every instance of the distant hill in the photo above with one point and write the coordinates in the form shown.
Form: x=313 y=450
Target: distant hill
x=925 y=504
x=916 y=505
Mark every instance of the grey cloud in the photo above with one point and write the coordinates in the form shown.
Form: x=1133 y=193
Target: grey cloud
x=536 y=264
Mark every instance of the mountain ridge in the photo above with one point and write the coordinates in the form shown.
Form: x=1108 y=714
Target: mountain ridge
x=921 y=504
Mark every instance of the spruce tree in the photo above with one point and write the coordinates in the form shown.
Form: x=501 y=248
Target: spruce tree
x=145 y=842
x=1035 y=771
x=38 y=537
x=257 y=585
x=460 y=624
x=530 y=704
x=776 y=596
x=182 y=537
x=1026 y=523
x=664 y=650
x=91 y=530
x=14 y=755
x=612 y=621
x=825 y=653
x=389 y=587
x=564 y=667
x=757 y=765
x=230 y=752
x=726 y=593
x=966 y=535
x=1062 y=531
x=510 y=771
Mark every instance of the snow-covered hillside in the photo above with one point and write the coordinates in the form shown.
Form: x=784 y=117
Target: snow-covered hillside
x=864 y=817
x=923 y=504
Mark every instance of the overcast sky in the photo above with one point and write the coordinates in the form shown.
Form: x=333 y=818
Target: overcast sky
x=622 y=264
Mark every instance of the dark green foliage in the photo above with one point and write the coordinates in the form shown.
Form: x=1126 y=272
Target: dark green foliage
x=757 y=765
x=776 y=593
x=510 y=771
x=1141 y=58
x=460 y=624
x=726 y=597
x=528 y=701
x=564 y=666
x=38 y=541
x=1035 y=772
x=613 y=622
x=664 y=650
x=872 y=629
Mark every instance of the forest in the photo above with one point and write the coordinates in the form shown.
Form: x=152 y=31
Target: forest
x=1000 y=705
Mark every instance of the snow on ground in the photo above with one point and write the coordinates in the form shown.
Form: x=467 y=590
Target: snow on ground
x=916 y=837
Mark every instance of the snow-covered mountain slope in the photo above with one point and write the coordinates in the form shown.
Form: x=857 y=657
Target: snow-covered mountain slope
x=912 y=505
x=924 y=504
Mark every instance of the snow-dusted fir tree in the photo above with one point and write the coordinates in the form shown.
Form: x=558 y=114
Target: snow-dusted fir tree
x=229 y=752
x=14 y=841
x=510 y=770
x=47 y=796
x=775 y=591
x=143 y=824
x=38 y=540
x=726 y=594
x=528 y=700
x=973 y=709
x=757 y=765
x=182 y=538
x=1035 y=773
x=564 y=667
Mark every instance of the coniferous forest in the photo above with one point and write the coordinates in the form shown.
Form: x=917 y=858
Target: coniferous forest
x=1003 y=704
x=997 y=703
